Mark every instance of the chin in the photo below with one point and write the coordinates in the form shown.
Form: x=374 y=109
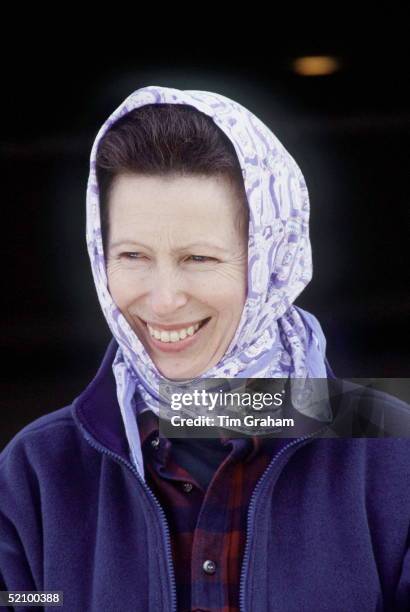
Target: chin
x=179 y=373
x=172 y=374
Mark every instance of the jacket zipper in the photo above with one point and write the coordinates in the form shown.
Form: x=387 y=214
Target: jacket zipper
x=251 y=512
x=163 y=518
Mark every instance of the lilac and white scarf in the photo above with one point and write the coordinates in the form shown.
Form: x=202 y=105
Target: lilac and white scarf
x=274 y=339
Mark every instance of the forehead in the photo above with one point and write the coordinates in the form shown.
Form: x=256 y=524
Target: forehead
x=186 y=203
x=188 y=195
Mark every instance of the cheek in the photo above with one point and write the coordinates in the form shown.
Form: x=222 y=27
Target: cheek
x=121 y=290
x=228 y=298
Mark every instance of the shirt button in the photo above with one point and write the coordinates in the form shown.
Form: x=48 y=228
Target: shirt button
x=187 y=486
x=155 y=443
x=209 y=566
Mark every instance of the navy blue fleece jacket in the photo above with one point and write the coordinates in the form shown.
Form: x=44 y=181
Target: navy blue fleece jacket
x=328 y=523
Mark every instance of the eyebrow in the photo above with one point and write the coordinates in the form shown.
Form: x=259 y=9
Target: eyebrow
x=200 y=244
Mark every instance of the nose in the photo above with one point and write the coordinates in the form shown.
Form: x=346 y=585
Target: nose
x=167 y=293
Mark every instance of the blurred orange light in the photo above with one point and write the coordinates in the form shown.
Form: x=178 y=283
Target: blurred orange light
x=315 y=65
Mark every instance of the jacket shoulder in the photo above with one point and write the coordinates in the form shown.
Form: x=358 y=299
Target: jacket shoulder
x=52 y=433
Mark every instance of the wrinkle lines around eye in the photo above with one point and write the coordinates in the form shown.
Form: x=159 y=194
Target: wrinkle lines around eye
x=232 y=269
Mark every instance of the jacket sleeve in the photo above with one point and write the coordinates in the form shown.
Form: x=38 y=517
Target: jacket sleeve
x=15 y=573
x=403 y=587
x=20 y=522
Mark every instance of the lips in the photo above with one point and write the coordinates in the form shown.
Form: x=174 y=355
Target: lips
x=168 y=342
x=175 y=335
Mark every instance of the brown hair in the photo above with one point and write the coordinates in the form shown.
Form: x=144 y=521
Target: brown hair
x=166 y=140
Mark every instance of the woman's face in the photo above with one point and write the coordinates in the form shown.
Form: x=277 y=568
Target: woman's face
x=177 y=267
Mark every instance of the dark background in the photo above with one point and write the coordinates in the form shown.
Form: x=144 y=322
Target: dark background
x=349 y=133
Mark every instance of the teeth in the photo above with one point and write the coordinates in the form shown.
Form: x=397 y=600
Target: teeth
x=164 y=336
x=173 y=335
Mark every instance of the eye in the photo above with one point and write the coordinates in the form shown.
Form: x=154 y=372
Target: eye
x=131 y=255
x=201 y=258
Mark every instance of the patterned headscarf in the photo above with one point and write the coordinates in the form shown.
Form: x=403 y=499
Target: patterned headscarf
x=274 y=338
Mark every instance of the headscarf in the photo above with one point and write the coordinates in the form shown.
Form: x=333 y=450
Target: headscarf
x=274 y=338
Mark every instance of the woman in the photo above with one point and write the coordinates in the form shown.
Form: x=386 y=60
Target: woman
x=197 y=231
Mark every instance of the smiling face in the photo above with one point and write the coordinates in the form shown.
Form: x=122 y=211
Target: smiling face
x=177 y=266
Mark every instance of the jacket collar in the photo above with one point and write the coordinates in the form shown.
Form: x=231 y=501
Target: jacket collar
x=97 y=407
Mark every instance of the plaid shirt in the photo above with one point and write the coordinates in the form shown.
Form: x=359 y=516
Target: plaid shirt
x=207 y=524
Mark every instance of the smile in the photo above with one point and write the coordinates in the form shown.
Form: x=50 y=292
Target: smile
x=174 y=339
x=173 y=335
